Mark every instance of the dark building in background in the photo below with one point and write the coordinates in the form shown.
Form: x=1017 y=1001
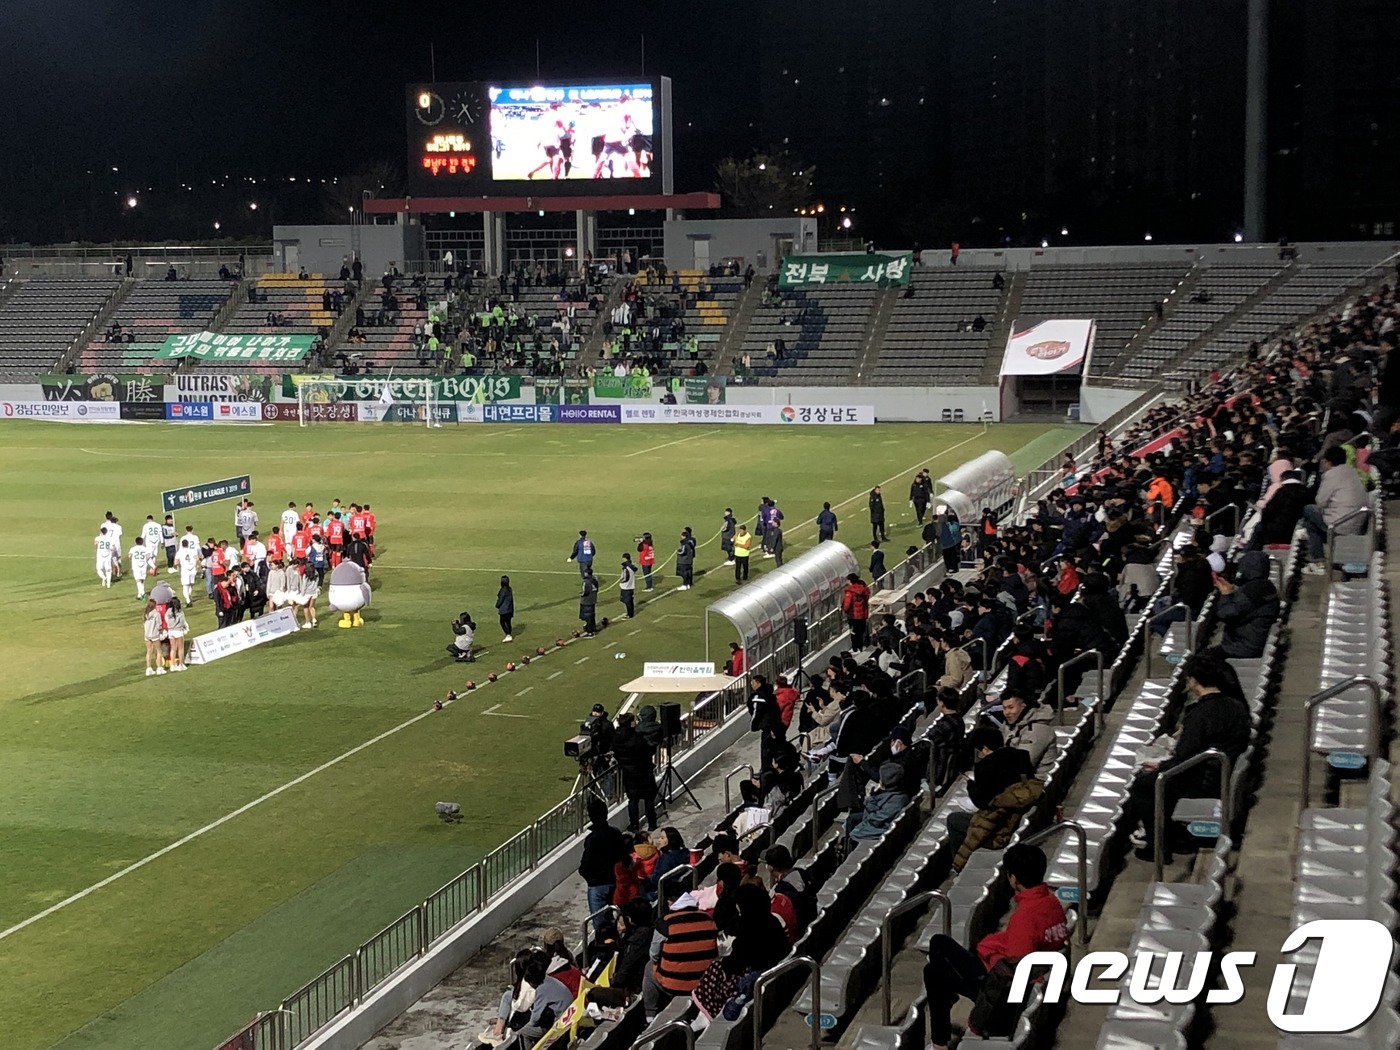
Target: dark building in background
x=1004 y=121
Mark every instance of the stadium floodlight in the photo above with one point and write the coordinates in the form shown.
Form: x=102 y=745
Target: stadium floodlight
x=1044 y=243
x=252 y=205
x=1148 y=237
x=217 y=225
x=132 y=201
x=1064 y=231
x=846 y=223
x=1239 y=238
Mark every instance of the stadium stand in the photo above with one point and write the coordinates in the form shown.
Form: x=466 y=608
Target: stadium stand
x=296 y=300
x=1119 y=298
x=1220 y=290
x=930 y=339
x=823 y=333
x=44 y=316
x=152 y=310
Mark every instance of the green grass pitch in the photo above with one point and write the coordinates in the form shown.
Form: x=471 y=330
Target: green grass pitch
x=101 y=767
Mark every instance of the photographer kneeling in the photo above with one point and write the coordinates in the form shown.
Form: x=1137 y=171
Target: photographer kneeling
x=460 y=648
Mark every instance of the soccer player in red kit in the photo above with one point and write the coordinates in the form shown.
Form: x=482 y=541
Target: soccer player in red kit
x=335 y=538
x=276 y=547
x=301 y=544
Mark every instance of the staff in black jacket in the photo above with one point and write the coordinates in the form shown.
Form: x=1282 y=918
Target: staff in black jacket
x=636 y=760
x=603 y=847
x=877 y=515
x=764 y=717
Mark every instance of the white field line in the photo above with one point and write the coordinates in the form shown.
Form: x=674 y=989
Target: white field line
x=678 y=441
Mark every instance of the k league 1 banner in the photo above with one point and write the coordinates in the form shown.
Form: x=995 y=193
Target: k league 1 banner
x=239 y=636
x=760 y=415
x=62 y=411
x=209 y=492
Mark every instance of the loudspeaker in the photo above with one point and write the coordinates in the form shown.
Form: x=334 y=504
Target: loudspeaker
x=799 y=631
x=670 y=715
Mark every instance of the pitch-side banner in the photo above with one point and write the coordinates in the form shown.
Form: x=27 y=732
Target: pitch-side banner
x=239 y=636
x=762 y=415
x=64 y=411
x=1048 y=348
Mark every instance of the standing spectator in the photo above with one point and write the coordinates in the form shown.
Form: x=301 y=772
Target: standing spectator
x=583 y=552
x=636 y=760
x=685 y=559
x=742 y=542
x=877 y=515
x=776 y=543
x=950 y=539
x=505 y=607
x=734 y=666
x=786 y=697
x=826 y=524
x=1339 y=493
x=726 y=535
x=764 y=717
x=953 y=253
x=855 y=603
x=627 y=585
x=646 y=557
x=603 y=847
x=1037 y=925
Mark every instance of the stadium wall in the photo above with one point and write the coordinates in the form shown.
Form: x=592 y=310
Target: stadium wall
x=321 y=248
x=1362 y=252
x=1097 y=403
x=692 y=243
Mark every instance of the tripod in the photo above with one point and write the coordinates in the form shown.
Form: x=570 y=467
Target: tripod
x=672 y=781
x=801 y=667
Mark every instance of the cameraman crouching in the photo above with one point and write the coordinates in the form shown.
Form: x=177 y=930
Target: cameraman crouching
x=460 y=648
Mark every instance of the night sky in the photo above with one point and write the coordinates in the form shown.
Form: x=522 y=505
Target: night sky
x=190 y=91
x=943 y=119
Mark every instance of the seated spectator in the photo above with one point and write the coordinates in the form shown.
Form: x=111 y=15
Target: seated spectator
x=883 y=805
x=997 y=771
x=1036 y=925
x=563 y=967
x=1028 y=725
x=794 y=900
x=1340 y=493
x=671 y=854
x=728 y=874
x=634 y=928
x=1248 y=606
x=759 y=943
x=1192 y=586
x=946 y=740
x=1218 y=718
x=684 y=944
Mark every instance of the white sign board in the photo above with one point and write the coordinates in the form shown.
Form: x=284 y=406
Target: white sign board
x=234 y=639
x=762 y=415
x=675 y=670
x=1048 y=348
x=67 y=411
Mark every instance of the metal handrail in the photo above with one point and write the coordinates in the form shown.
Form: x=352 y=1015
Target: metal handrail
x=813 y=967
x=1159 y=800
x=663 y=885
x=945 y=908
x=919 y=673
x=1235 y=507
x=728 y=776
x=1373 y=728
x=1332 y=534
x=652 y=1036
x=1081 y=841
x=1149 y=642
x=985 y=647
x=604 y=910
x=1060 y=687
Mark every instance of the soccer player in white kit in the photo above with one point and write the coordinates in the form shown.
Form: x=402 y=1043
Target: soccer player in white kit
x=140 y=559
x=187 y=558
x=291 y=521
x=114 y=529
x=105 y=547
x=152 y=539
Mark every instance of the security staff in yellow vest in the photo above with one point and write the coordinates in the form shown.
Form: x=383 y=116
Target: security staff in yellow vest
x=742 y=540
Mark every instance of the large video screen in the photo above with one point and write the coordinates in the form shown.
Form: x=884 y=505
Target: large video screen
x=544 y=139
x=602 y=131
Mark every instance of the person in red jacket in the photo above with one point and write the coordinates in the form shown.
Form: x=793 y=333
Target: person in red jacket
x=276 y=548
x=646 y=557
x=786 y=697
x=734 y=666
x=855 y=603
x=1037 y=925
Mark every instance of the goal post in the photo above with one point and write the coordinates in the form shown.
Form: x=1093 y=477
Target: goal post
x=382 y=400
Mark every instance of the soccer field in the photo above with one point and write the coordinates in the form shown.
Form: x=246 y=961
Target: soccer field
x=101 y=767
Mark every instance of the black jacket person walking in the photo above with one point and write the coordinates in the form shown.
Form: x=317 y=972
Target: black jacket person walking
x=505 y=607
x=877 y=515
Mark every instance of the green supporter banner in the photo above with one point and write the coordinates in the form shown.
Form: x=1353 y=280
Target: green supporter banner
x=705 y=390
x=552 y=390
x=806 y=271
x=209 y=492
x=217 y=346
x=478 y=389
x=106 y=387
x=628 y=386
